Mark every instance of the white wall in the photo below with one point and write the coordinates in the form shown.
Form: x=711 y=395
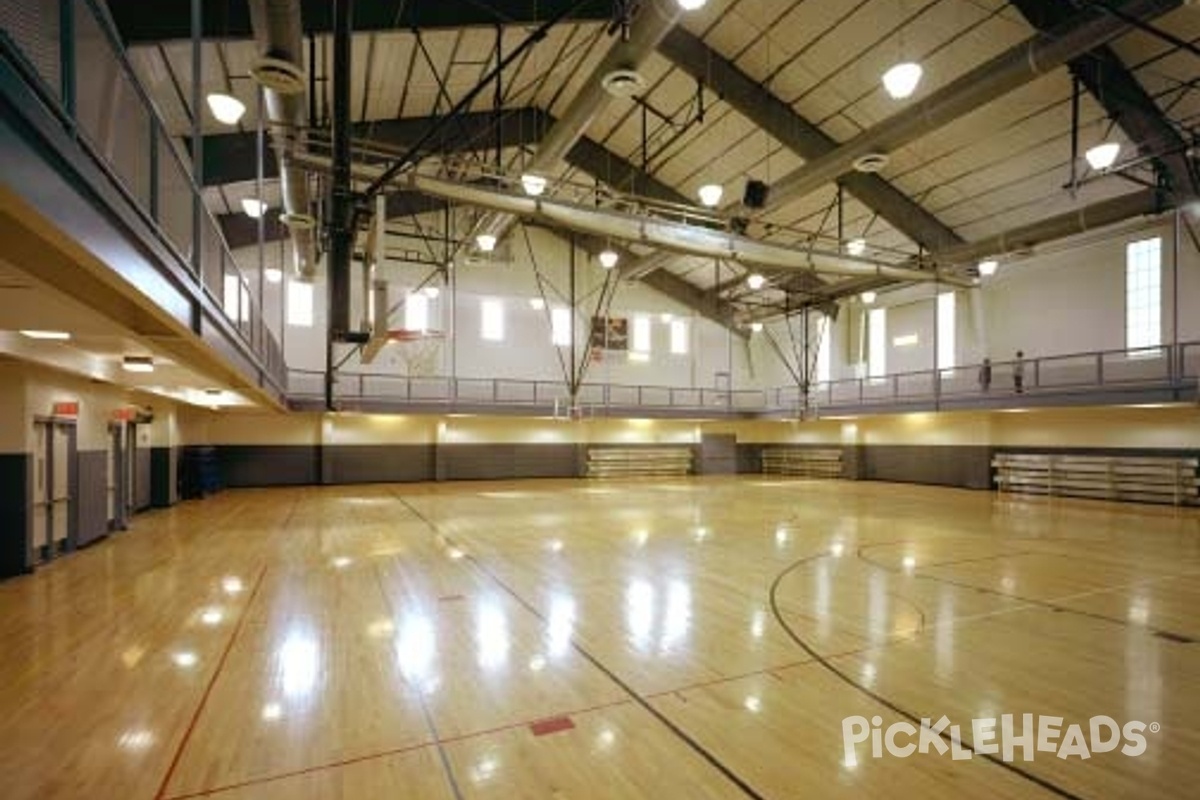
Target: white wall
x=526 y=352
x=1066 y=298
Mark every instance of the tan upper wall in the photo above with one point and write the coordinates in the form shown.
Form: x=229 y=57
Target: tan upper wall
x=1177 y=426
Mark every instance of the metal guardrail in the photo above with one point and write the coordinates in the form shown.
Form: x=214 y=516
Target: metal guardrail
x=75 y=62
x=1170 y=367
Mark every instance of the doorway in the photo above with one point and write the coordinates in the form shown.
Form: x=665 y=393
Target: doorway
x=54 y=488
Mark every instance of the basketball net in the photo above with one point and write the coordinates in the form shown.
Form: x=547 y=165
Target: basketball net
x=419 y=352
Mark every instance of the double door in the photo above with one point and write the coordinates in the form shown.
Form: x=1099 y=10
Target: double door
x=53 y=492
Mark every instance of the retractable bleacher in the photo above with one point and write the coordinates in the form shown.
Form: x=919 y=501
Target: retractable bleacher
x=617 y=462
x=1170 y=480
x=807 y=462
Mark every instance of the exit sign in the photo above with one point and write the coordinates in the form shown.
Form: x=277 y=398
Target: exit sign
x=66 y=409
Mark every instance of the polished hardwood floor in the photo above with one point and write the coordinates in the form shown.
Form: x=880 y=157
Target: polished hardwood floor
x=698 y=638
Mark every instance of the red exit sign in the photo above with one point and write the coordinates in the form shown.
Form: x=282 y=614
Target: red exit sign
x=66 y=409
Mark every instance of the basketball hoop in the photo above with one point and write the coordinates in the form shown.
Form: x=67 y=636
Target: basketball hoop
x=419 y=351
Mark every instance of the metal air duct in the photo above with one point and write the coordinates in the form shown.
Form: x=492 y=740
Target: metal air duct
x=1004 y=73
x=279 y=34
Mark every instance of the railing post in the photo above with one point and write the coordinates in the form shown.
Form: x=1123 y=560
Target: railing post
x=1100 y=369
x=1037 y=373
x=66 y=58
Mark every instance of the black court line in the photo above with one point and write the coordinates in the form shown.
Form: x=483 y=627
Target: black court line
x=438 y=743
x=1169 y=636
x=698 y=748
x=878 y=698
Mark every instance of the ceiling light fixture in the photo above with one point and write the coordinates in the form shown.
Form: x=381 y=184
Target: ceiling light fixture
x=533 y=185
x=691 y=5
x=56 y=336
x=608 y=258
x=273 y=274
x=1103 y=156
x=856 y=247
x=254 y=207
x=138 y=364
x=710 y=194
x=756 y=327
x=226 y=108
x=867 y=297
x=486 y=242
x=988 y=267
x=756 y=281
x=537 y=303
x=901 y=80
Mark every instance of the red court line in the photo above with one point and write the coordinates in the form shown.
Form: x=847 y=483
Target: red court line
x=187 y=734
x=391 y=752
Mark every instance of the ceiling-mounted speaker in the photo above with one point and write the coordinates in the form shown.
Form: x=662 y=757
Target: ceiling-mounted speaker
x=871 y=162
x=755 y=195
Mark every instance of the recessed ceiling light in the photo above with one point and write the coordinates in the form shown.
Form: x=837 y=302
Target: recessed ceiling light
x=486 y=242
x=691 y=5
x=988 y=267
x=608 y=258
x=57 y=336
x=138 y=364
x=1102 y=156
x=710 y=194
x=856 y=247
x=756 y=281
x=254 y=207
x=901 y=80
x=226 y=108
x=868 y=297
x=533 y=185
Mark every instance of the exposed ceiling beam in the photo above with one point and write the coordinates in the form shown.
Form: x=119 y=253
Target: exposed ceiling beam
x=1106 y=78
x=985 y=83
x=231 y=157
x=704 y=303
x=171 y=19
x=779 y=119
x=652 y=21
x=1081 y=220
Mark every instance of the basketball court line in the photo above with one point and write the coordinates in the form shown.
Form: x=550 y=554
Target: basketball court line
x=430 y=723
x=834 y=670
x=212 y=681
x=1053 y=604
x=696 y=747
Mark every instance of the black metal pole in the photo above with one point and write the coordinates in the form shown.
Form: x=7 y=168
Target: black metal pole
x=341 y=224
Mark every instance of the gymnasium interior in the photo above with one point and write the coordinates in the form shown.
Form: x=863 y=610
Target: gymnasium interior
x=599 y=399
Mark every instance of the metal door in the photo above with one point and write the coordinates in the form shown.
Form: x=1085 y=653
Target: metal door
x=111 y=472
x=41 y=490
x=60 y=484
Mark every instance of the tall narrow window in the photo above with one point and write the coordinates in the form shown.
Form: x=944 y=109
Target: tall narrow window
x=877 y=343
x=1143 y=293
x=560 y=327
x=416 y=311
x=300 y=304
x=491 y=320
x=823 y=348
x=640 y=339
x=679 y=337
x=946 y=332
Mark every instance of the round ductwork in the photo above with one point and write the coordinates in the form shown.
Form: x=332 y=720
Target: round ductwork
x=871 y=162
x=623 y=82
x=278 y=75
x=298 y=222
